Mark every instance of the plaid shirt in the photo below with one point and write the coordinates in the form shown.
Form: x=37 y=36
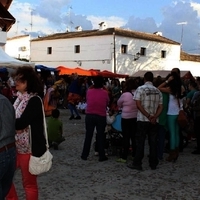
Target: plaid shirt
x=150 y=98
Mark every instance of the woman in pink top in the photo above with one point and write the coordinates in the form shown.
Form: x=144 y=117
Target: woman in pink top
x=97 y=101
x=129 y=118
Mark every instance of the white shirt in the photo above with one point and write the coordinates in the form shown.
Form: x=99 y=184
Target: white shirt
x=173 y=106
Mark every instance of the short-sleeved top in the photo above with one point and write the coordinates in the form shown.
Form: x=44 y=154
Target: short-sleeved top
x=190 y=94
x=97 y=101
x=150 y=98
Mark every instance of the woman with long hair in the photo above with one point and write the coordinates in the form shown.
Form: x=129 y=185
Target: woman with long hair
x=173 y=85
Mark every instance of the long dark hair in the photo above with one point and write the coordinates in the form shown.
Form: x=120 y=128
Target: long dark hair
x=175 y=85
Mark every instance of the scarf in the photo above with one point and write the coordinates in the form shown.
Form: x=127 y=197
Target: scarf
x=22 y=136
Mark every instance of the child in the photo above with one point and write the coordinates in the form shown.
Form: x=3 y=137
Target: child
x=82 y=106
x=55 y=130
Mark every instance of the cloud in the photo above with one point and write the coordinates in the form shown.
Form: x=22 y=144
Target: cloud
x=186 y=34
x=24 y=19
x=178 y=12
x=58 y=17
x=196 y=6
x=143 y=25
x=112 y=21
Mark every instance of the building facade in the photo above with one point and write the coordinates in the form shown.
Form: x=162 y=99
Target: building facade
x=18 y=47
x=113 y=49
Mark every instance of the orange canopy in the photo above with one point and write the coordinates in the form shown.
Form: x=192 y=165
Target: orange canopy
x=83 y=72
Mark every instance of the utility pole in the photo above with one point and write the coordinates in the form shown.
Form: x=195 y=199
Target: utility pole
x=114 y=53
x=17 y=28
x=181 y=23
x=31 y=24
x=70 y=21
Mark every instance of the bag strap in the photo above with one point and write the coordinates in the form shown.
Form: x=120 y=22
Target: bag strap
x=45 y=124
x=45 y=127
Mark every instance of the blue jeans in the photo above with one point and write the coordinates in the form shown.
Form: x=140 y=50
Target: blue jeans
x=73 y=109
x=7 y=169
x=92 y=121
x=143 y=129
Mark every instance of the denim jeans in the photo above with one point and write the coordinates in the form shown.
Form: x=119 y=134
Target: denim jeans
x=92 y=121
x=143 y=129
x=73 y=109
x=7 y=169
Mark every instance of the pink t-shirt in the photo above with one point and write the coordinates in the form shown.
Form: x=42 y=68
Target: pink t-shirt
x=97 y=101
x=128 y=105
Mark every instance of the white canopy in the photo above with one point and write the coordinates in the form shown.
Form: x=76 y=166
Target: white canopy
x=9 y=62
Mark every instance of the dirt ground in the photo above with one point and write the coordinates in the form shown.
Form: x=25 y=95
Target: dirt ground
x=71 y=178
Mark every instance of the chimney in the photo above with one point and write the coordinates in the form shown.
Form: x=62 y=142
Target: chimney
x=102 y=26
x=158 y=33
x=78 y=28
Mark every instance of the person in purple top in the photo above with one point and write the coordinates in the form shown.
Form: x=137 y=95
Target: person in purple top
x=97 y=101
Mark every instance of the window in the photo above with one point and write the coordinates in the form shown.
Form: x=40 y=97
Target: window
x=163 y=54
x=143 y=51
x=77 y=49
x=49 y=50
x=123 y=48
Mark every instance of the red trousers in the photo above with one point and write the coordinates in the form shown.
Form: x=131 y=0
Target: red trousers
x=29 y=180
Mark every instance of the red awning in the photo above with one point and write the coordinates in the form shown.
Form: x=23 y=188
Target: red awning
x=109 y=74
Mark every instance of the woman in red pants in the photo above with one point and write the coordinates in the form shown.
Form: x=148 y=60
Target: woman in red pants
x=29 y=115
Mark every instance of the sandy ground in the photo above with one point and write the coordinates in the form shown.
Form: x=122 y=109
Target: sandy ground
x=71 y=178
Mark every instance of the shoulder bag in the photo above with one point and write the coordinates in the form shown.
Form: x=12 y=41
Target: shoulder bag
x=182 y=117
x=39 y=165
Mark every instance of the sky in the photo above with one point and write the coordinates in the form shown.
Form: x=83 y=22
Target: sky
x=177 y=20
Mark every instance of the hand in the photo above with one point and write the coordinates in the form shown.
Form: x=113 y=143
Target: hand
x=152 y=119
x=170 y=78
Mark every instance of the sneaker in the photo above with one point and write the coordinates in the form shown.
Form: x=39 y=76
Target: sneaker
x=103 y=159
x=121 y=160
x=77 y=117
x=72 y=117
x=131 y=166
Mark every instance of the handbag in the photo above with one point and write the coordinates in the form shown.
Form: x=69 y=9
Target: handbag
x=39 y=165
x=182 y=118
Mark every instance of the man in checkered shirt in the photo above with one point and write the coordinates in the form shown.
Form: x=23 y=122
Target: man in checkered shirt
x=149 y=102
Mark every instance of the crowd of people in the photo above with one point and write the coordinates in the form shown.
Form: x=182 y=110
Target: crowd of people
x=149 y=107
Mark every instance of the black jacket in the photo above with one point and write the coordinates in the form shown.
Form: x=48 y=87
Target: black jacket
x=33 y=116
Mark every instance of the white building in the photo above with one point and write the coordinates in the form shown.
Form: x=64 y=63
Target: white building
x=18 y=47
x=113 y=49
